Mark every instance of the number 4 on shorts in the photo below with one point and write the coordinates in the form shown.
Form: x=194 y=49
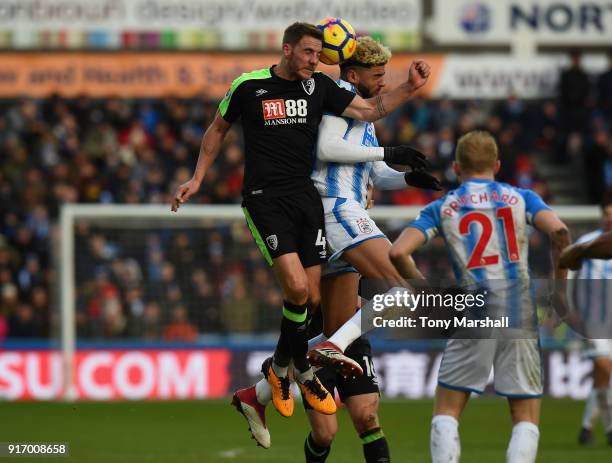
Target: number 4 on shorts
x=320 y=239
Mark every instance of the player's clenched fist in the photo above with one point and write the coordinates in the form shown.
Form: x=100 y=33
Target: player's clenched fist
x=184 y=192
x=418 y=73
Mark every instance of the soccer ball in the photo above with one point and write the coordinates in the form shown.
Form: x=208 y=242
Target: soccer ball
x=339 y=41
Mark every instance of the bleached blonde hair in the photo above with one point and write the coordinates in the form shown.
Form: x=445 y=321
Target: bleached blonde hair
x=369 y=53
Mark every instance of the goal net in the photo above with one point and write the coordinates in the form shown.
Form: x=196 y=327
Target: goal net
x=141 y=275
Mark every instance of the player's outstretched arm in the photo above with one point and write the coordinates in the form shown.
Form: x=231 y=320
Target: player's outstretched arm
x=333 y=147
x=209 y=150
x=379 y=106
x=599 y=248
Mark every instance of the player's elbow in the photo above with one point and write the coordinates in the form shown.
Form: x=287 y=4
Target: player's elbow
x=324 y=151
x=560 y=237
x=327 y=150
x=369 y=115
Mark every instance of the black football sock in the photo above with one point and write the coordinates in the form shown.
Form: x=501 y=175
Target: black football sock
x=375 y=446
x=293 y=329
x=315 y=453
x=282 y=353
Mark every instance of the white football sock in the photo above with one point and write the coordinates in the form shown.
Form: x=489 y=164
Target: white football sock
x=263 y=391
x=262 y=387
x=348 y=332
x=316 y=340
x=523 y=447
x=603 y=401
x=351 y=330
x=591 y=411
x=444 y=442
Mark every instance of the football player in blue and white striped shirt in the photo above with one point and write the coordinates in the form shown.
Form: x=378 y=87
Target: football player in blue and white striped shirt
x=484 y=224
x=592 y=294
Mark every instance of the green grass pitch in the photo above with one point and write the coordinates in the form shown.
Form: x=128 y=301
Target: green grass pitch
x=212 y=432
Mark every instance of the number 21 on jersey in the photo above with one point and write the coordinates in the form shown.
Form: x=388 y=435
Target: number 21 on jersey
x=478 y=259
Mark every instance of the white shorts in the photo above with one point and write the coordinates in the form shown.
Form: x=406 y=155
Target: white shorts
x=516 y=363
x=598 y=348
x=347 y=224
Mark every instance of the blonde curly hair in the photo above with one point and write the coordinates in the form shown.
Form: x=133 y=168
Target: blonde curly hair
x=369 y=53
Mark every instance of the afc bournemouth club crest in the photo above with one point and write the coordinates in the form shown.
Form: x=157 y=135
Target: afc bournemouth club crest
x=309 y=86
x=272 y=241
x=364 y=226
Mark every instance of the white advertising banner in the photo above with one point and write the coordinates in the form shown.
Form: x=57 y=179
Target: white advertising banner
x=500 y=76
x=229 y=16
x=500 y=22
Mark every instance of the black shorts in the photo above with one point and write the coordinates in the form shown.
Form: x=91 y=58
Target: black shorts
x=291 y=223
x=361 y=352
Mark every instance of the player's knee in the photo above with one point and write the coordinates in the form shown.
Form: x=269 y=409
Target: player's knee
x=324 y=435
x=366 y=421
x=527 y=410
x=297 y=290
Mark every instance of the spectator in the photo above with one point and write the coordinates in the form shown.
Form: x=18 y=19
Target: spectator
x=574 y=92
x=595 y=166
x=22 y=322
x=238 y=310
x=148 y=325
x=180 y=329
x=604 y=90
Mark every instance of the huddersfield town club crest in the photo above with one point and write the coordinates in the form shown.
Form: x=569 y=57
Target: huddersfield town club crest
x=364 y=226
x=272 y=241
x=309 y=85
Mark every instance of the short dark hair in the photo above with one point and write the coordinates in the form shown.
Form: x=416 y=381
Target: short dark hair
x=345 y=66
x=294 y=33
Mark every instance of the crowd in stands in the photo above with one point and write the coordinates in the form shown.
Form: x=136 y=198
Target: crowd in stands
x=158 y=285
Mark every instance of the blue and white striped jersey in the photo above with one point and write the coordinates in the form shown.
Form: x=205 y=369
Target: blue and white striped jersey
x=349 y=180
x=592 y=289
x=484 y=224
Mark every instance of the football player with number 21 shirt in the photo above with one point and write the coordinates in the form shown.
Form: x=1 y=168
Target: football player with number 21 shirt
x=484 y=224
x=281 y=108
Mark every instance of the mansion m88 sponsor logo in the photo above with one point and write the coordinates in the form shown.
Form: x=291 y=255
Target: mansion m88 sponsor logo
x=284 y=112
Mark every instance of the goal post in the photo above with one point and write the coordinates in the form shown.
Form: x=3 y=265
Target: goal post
x=189 y=216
